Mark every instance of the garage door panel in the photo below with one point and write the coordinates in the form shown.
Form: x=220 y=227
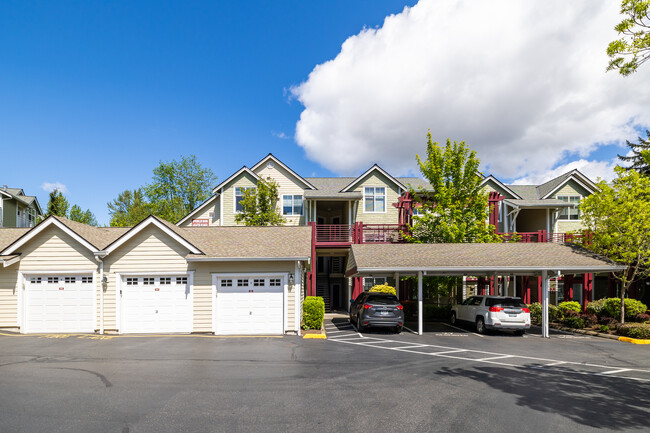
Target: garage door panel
x=249 y=305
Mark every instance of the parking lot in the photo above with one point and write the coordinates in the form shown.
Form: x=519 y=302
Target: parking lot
x=446 y=380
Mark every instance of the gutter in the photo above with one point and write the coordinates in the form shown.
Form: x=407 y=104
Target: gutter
x=246 y=259
x=99 y=257
x=491 y=269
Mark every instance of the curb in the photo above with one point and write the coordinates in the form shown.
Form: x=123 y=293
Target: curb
x=633 y=340
x=315 y=336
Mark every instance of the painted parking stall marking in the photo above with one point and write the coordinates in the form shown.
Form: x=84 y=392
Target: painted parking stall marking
x=350 y=336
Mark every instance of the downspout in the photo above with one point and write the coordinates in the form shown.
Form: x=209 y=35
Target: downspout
x=101 y=294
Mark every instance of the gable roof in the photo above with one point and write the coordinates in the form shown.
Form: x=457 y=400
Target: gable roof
x=281 y=164
x=170 y=229
x=371 y=169
x=546 y=189
x=198 y=208
x=3 y=192
x=244 y=169
x=500 y=185
x=19 y=195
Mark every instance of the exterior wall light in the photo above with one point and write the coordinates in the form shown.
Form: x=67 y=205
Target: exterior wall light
x=105 y=283
x=292 y=281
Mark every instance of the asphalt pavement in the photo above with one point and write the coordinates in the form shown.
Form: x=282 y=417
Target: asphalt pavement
x=450 y=379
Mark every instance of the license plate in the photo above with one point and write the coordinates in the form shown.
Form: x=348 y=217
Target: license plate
x=512 y=315
x=383 y=313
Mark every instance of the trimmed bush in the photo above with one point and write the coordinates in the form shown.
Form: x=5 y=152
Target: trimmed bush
x=565 y=307
x=642 y=318
x=632 y=307
x=313 y=312
x=589 y=319
x=572 y=321
x=634 y=330
x=536 y=312
x=603 y=328
x=383 y=288
x=596 y=307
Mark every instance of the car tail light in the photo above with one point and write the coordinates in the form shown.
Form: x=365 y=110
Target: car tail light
x=399 y=307
x=495 y=309
x=525 y=310
x=367 y=307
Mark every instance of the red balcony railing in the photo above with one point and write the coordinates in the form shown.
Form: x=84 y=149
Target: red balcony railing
x=358 y=233
x=541 y=236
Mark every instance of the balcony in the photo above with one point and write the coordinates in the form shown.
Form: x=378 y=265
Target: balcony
x=343 y=235
x=541 y=236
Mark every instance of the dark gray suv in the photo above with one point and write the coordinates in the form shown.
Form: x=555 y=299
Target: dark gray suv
x=377 y=309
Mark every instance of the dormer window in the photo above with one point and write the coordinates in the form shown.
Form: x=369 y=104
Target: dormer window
x=239 y=196
x=292 y=205
x=374 y=199
x=570 y=213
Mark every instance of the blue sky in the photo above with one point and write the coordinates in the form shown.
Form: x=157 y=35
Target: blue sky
x=94 y=94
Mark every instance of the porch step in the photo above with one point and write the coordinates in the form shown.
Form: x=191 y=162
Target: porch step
x=324 y=293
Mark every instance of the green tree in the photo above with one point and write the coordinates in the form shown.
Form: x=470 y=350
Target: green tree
x=129 y=208
x=640 y=158
x=456 y=209
x=57 y=205
x=633 y=48
x=260 y=205
x=178 y=187
x=618 y=218
x=84 y=217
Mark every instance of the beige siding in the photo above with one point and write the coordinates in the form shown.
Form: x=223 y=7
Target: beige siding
x=150 y=251
x=9 y=296
x=570 y=188
x=391 y=216
x=287 y=184
x=203 y=302
x=212 y=207
x=245 y=180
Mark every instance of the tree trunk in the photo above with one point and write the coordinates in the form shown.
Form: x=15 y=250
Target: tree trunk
x=623 y=289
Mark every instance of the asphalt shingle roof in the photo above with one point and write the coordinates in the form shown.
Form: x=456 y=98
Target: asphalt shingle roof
x=9 y=235
x=527 y=257
x=100 y=237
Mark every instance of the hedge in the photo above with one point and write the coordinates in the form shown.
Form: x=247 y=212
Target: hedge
x=536 y=312
x=634 y=330
x=567 y=306
x=313 y=312
x=383 y=288
x=632 y=307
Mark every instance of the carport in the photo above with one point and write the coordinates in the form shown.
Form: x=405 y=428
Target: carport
x=547 y=260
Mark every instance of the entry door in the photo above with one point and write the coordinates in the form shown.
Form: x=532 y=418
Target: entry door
x=59 y=303
x=156 y=304
x=249 y=305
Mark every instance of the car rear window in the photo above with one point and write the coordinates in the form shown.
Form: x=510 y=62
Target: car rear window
x=386 y=299
x=507 y=302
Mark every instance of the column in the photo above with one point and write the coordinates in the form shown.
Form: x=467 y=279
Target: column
x=420 y=322
x=544 y=277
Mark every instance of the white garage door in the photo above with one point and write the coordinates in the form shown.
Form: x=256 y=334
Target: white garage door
x=248 y=305
x=156 y=304
x=61 y=303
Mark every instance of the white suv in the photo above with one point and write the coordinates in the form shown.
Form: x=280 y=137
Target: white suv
x=493 y=312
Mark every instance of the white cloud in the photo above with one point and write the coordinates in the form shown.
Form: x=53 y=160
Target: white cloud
x=592 y=169
x=523 y=83
x=280 y=134
x=51 y=186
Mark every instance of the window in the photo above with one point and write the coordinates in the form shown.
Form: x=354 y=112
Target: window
x=258 y=282
x=242 y=283
x=226 y=283
x=35 y=280
x=165 y=280
x=52 y=280
x=70 y=280
x=374 y=199
x=370 y=282
x=274 y=282
x=292 y=205
x=571 y=213
x=131 y=281
x=86 y=280
x=239 y=195
x=148 y=281
x=181 y=280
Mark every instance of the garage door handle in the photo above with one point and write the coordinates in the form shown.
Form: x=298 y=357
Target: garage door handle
x=250 y=313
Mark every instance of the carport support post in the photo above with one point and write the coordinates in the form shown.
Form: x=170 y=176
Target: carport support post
x=420 y=324
x=545 y=304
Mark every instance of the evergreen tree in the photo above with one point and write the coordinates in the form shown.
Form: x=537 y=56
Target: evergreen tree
x=640 y=158
x=78 y=215
x=129 y=208
x=57 y=205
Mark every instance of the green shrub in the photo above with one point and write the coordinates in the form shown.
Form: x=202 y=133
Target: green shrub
x=383 y=288
x=536 y=312
x=573 y=322
x=634 y=330
x=603 y=328
x=632 y=307
x=313 y=312
x=596 y=307
x=589 y=319
x=568 y=306
x=642 y=318
x=436 y=312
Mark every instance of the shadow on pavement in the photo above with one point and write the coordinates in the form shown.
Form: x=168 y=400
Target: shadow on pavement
x=589 y=400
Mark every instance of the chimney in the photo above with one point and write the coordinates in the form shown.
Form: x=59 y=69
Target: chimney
x=5 y=187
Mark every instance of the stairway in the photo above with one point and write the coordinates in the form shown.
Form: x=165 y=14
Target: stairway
x=324 y=292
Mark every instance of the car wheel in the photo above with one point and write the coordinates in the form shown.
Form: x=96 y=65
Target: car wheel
x=520 y=332
x=453 y=318
x=480 y=325
x=360 y=327
x=398 y=329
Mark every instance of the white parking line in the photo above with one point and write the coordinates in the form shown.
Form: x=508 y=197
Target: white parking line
x=460 y=329
x=614 y=371
x=554 y=363
x=495 y=357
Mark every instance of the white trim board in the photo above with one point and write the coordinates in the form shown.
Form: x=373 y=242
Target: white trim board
x=201 y=206
x=281 y=164
x=501 y=185
x=141 y=226
x=40 y=228
x=231 y=178
x=371 y=169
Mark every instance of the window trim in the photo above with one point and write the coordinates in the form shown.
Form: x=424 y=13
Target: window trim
x=234 y=195
x=293 y=205
x=375 y=195
x=568 y=219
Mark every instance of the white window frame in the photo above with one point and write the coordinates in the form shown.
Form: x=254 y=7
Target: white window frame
x=374 y=195
x=234 y=194
x=374 y=282
x=293 y=204
x=568 y=210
